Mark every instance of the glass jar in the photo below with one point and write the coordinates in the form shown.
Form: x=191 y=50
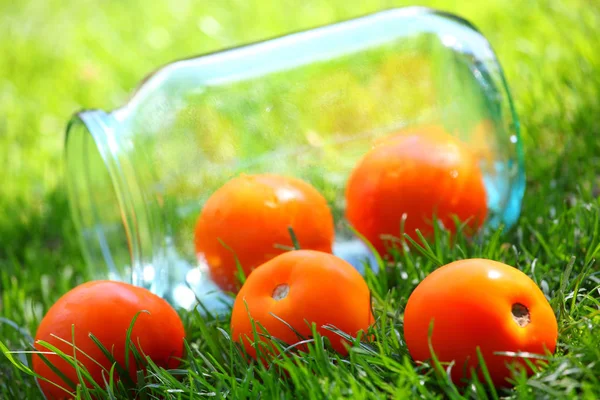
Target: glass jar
x=308 y=104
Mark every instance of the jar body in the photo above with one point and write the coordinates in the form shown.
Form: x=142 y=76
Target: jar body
x=307 y=105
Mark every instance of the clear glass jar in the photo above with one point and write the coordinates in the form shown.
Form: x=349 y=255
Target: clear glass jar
x=308 y=104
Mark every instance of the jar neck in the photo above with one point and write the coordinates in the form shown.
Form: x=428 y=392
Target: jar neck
x=107 y=200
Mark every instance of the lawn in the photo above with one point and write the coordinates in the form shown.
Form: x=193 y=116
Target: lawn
x=91 y=54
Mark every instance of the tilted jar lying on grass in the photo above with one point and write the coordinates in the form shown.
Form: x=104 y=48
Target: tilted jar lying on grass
x=309 y=105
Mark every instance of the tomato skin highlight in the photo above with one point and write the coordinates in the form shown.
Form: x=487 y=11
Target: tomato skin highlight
x=251 y=214
x=471 y=304
x=321 y=289
x=106 y=309
x=421 y=173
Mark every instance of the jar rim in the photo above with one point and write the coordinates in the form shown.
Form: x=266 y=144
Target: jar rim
x=92 y=155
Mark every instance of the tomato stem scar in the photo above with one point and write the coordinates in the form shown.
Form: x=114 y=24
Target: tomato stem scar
x=281 y=291
x=520 y=314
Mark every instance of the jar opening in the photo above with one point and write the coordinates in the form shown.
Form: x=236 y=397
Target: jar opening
x=94 y=197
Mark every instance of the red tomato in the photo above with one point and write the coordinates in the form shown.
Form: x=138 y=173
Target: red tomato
x=418 y=173
x=302 y=287
x=251 y=215
x=483 y=303
x=106 y=310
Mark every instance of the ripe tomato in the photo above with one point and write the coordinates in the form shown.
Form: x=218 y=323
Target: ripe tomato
x=420 y=173
x=483 y=303
x=302 y=287
x=106 y=310
x=251 y=214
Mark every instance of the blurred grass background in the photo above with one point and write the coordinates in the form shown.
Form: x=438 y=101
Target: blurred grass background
x=59 y=58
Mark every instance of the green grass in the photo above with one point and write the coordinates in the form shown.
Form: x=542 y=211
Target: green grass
x=58 y=59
